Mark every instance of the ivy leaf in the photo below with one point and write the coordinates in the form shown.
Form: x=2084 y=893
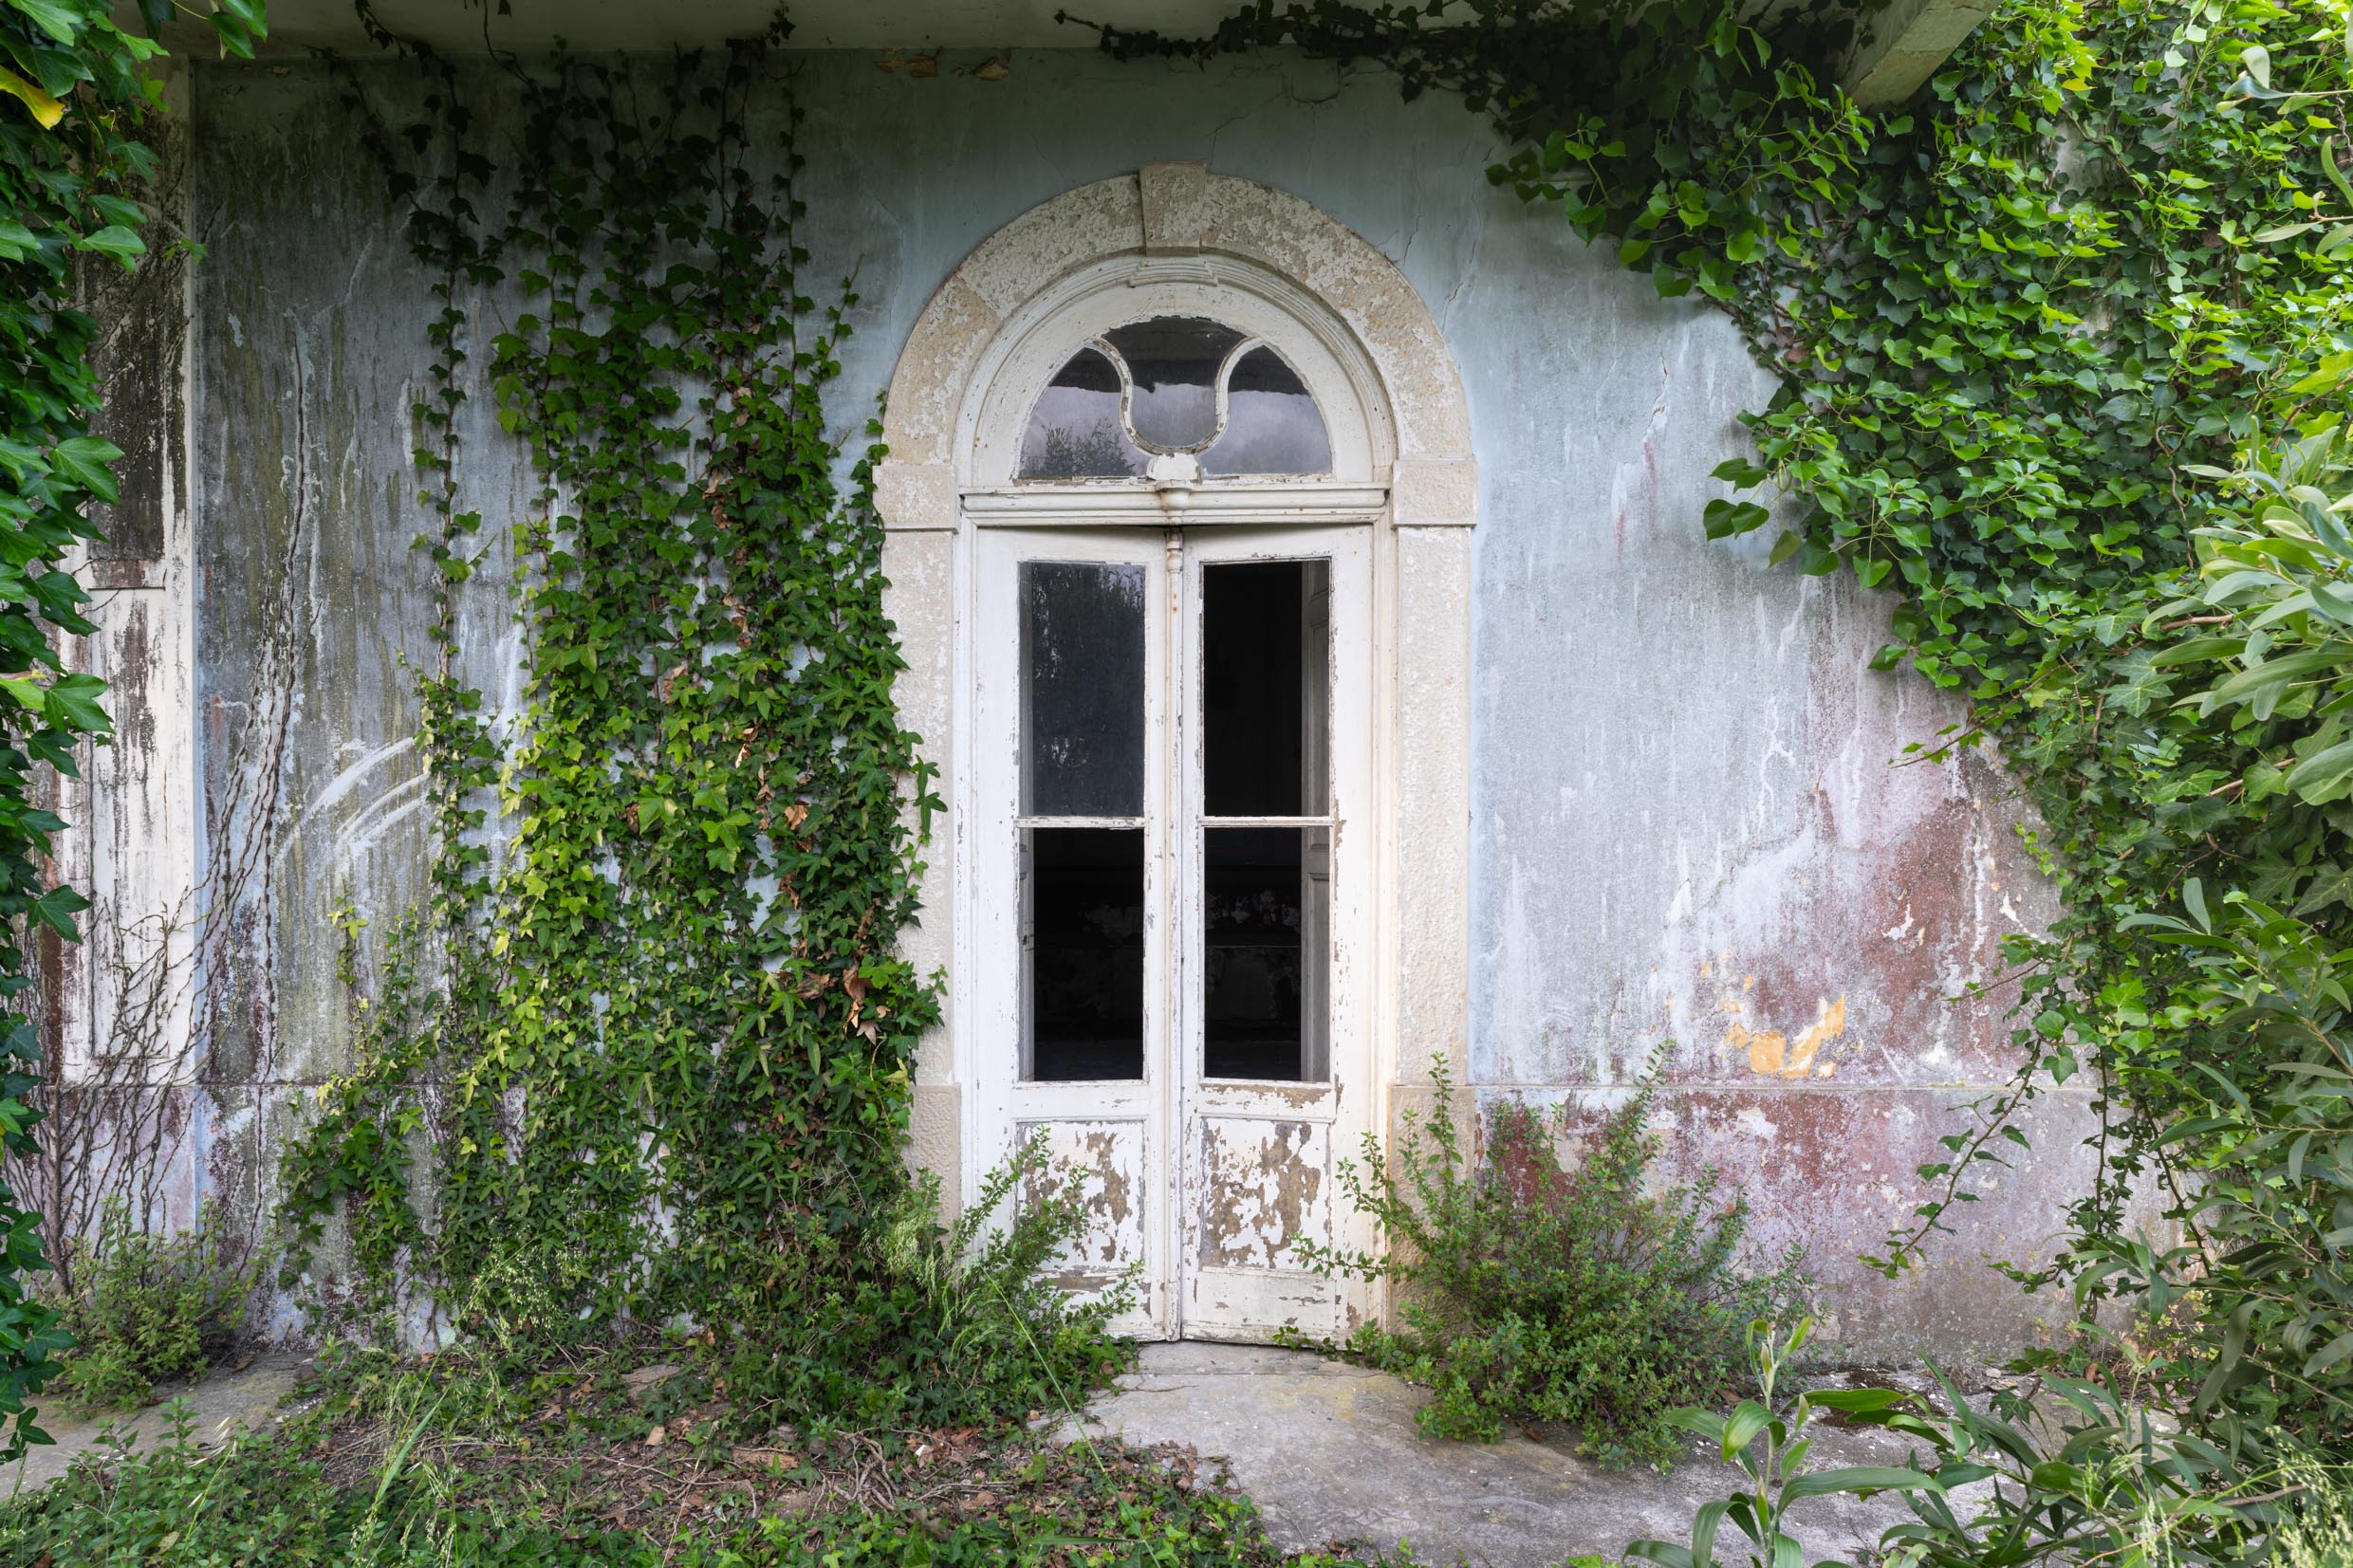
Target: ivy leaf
x=2330 y=885
x=2256 y=61
x=116 y=241
x=84 y=459
x=2141 y=687
x=72 y=704
x=56 y=908
x=60 y=22
x=1723 y=519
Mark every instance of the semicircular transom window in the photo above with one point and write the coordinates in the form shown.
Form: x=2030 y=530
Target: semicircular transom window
x=1174 y=385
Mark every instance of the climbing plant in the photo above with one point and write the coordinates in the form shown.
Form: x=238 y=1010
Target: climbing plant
x=656 y=1045
x=71 y=162
x=672 y=1000
x=2023 y=324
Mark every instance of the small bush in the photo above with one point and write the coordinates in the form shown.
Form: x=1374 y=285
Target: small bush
x=143 y=1308
x=941 y=1326
x=1578 y=1297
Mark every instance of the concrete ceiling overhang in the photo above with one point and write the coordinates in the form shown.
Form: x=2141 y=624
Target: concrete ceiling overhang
x=1903 y=42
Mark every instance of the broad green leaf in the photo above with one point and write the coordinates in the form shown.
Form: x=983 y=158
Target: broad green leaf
x=1722 y=519
x=1859 y=1478
x=2323 y=776
x=2329 y=1355
x=72 y=704
x=1857 y=1401
x=60 y=21
x=2330 y=884
x=116 y=241
x=1666 y=1553
x=1748 y=1419
x=84 y=459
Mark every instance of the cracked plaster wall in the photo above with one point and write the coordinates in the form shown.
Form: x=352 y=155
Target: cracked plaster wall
x=1685 y=821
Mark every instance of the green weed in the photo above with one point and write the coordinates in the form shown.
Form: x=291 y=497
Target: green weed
x=1533 y=1292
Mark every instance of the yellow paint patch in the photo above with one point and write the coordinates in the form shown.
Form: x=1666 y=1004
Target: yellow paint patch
x=1772 y=1054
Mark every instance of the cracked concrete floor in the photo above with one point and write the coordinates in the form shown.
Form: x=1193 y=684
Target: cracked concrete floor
x=247 y=1399
x=1330 y=1452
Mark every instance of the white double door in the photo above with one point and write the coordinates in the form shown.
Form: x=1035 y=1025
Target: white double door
x=1173 y=875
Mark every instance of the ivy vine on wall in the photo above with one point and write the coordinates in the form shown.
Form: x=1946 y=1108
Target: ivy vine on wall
x=2024 y=326
x=659 y=1044
x=71 y=162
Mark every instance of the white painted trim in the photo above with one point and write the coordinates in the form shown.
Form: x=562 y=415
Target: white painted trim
x=1039 y=336
x=1403 y=462
x=1266 y=502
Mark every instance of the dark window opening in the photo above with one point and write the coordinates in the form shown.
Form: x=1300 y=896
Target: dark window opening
x=1265 y=672
x=1085 y=917
x=1255 y=989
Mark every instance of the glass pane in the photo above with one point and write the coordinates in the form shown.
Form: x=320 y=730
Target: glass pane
x=1074 y=432
x=1272 y=422
x=1083 y=689
x=1266 y=673
x=1265 y=947
x=1173 y=363
x=1083 y=915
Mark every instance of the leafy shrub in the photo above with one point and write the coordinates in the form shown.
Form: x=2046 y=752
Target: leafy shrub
x=2256 y=1297
x=945 y=1326
x=2079 y=1475
x=1577 y=1296
x=143 y=1307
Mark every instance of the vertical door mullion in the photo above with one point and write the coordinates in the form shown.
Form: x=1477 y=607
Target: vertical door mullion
x=1175 y=856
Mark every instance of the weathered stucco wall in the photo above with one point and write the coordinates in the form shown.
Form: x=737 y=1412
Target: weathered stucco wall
x=1685 y=821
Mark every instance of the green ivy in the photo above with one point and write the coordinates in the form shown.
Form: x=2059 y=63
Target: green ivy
x=2021 y=325
x=70 y=159
x=658 y=1046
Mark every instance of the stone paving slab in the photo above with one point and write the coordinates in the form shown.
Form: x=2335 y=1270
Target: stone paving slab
x=226 y=1402
x=1330 y=1452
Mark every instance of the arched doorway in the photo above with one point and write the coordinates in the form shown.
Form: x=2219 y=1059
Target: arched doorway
x=1155 y=589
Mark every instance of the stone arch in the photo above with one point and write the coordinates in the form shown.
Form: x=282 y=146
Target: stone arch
x=1174 y=210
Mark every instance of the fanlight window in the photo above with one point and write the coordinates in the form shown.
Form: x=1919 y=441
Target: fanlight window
x=1174 y=385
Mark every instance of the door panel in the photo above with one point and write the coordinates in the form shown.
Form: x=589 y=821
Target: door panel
x=1172 y=739
x=1070 y=862
x=1262 y=1187
x=1100 y=1167
x=1275 y=642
